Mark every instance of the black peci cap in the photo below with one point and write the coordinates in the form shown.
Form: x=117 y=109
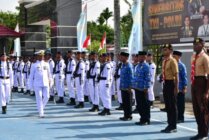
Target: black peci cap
x=178 y=53
x=142 y=53
x=124 y=54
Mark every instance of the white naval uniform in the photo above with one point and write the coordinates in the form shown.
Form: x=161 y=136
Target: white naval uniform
x=104 y=85
x=118 y=83
x=112 y=87
x=203 y=31
x=26 y=72
x=14 y=67
x=6 y=82
x=20 y=74
x=70 y=69
x=40 y=78
x=93 y=84
x=86 y=83
x=51 y=66
x=79 y=76
x=59 y=77
x=152 y=68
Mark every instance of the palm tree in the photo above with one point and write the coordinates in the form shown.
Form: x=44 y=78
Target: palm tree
x=101 y=20
x=106 y=14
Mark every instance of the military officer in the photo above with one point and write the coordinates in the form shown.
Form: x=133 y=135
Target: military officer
x=14 y=67
x=6 y=81
x=170 y=88
x=141 y=84
x=20 y=74
x=85 y=88
x=105 y=84
x=26 y=72
x=152 y=69
x=59 y=71
x=182 y=86
x=40 y=78
x=92 y=75
x=33 y=61
x=70 y=69
x=200 y=85
x=79 y=75
x=125 y=86
x=48 y=58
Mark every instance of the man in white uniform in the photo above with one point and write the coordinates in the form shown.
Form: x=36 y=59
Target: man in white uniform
x=40 y=78
x=104 y=85
x=152 y=68
x=48 y=58
x=20 y=74
x=86 y=83
x=79 y=75
x=6 y=81
x=59 y=77
x=26 y=72
x=14 y=67
x=93 y=85
x=70 y=69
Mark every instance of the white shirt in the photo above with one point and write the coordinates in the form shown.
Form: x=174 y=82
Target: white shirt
x=60 y=68
x=96 y=69
x=71 y=66
x=6 y=72
x=51 y=65
x=203 y=31
x=81 y=69
x=152 y=69
x=40 y=75
x=20 y=66
x=106 y=72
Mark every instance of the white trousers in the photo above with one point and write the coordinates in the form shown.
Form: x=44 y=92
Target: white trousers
x=60 y=88
x=70 y=86
x=21 y=79
x=151 y=95
x=118 y=90
x=4 y=91
x=105 y=94
x=15 y=79
x=42 y=97
x=94 y=93
x=112 y=87
x=79 y=89
x=26 y=81
x=86 y=87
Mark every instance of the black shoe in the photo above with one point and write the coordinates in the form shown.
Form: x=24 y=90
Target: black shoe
x=51 y=98
x=32 y=94
x=86 y=98
x=196 y=137
x=169 y=130
x=135 y=111
x=21 y=91
x=80 y=105
x=27 y=92
x=163 y=109
x=120 y=107
x=104 y=112
x=113 y=98
x=4 y=109
x=95 y=108
x=180 y=121
x=143 y=123
x=125 y=118
x=71 y=102
x=60 y=101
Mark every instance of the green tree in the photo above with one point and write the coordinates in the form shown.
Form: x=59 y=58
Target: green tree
x=106 y=14
x=95 y=47
x=101 y=20
x=8 y=19
x=126 y=23
x=97 y=32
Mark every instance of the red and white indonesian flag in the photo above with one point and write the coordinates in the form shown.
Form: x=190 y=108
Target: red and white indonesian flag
x=87 y=42
x=103 y=42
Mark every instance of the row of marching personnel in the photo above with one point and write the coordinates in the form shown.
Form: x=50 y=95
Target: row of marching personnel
x=100 y=78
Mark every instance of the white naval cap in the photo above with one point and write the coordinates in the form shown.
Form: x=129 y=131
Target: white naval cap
x=41 y=52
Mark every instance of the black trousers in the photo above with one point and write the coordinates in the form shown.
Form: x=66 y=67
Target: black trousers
x=127 y=103
x=143 y=105
x=181 y=105
x=170 y=103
